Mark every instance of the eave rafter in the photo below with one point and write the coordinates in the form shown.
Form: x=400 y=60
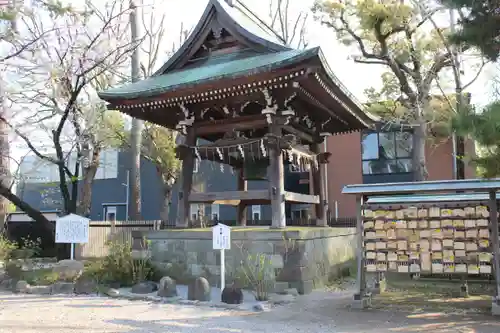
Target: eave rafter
x=354 y=110
x=256 y=85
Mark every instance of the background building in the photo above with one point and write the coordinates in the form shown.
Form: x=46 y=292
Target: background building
x=382 y=157
x=368 y=157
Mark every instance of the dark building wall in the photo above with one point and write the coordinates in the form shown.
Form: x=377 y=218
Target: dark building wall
x=105 y=192
x=112 y=192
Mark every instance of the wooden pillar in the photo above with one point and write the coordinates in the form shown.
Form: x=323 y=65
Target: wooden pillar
x=186 y=182
x=496 y=248
x=318 y=176
x=277 y=181
x=360 y=299
x=242 y=208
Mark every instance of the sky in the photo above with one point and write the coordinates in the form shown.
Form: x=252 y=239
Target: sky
x=356 y=77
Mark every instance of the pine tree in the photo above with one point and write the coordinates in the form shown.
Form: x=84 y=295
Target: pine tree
x=480 y=25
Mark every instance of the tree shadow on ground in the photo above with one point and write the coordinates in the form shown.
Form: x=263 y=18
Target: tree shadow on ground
x=238 y=323
x=434 y=296
x=92 y=306
x=354 y=322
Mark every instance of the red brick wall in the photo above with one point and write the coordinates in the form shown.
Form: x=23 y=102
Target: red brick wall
x=345 y=167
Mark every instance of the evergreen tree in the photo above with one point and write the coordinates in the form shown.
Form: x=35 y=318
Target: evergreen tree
x=480 y=28
x=480 y=25
x=484 y=128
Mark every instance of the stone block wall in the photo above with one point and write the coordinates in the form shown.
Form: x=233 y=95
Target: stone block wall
x=300 y=258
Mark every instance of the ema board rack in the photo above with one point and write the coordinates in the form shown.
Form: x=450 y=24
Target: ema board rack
x=429 y=240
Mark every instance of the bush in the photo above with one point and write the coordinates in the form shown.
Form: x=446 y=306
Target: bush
x=6 y=248
x=26 y=249
x=40 y=277
x=256 y=272
x=120 y=267
x=14 y=270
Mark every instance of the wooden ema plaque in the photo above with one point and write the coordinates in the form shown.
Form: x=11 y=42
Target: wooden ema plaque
x=430 y=240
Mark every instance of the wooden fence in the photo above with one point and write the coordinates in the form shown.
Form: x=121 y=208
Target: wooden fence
x=102 y=232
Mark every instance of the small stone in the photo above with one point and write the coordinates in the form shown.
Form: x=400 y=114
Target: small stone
x=168 y=287
x=280 y=287
x=291 y=291
x=63 y=288
x=85 y=286
x=146 y=287
x=260 y=307
x=22 y=286
x=69 y=270
x=40 y=290
x=282 y=299
x=6 y=284
x=199 y=290
x=232 y=295
x=112 y=292
x=303 y=287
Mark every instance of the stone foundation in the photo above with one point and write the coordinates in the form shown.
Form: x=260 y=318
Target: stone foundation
x=301 y=258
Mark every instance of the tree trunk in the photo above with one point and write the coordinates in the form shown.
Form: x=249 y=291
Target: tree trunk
x=167 y=200
x=89 y=172
x=25 y=207
x=419 y=143
x=5 y=178
x=137 y=125
x=74 y=188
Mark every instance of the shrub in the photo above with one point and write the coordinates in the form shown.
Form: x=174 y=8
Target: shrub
x=120 y=267
x=6 y=248
x=40 y=277
x=13 y=268
x=27 y=248
x=256 y=272
x=179 y=272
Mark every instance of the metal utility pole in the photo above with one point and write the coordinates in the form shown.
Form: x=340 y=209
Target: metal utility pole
x=457 y=141
x=137 y=125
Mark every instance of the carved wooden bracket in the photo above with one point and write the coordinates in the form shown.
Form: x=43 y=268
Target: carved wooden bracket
x=279 y=142
x=323 y=158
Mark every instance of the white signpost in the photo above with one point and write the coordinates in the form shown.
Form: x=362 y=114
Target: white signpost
x=72 y=229
x=221 y=237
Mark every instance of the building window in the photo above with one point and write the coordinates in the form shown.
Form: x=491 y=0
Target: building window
x=256 y=213
x=387 y=152
x=193 y=212
x=215 y=212
x=109 y=213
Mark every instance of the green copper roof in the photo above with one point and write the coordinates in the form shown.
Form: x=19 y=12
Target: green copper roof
x=210 y=72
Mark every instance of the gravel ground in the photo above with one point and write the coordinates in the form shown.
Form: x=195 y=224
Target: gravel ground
x=318 y=312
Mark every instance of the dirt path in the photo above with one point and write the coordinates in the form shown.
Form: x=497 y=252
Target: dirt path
x=318 y=312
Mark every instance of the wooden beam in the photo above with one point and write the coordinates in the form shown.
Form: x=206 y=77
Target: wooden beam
x=302 y=198
x=298 y=133
x=228 y=125
x=230 y=195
